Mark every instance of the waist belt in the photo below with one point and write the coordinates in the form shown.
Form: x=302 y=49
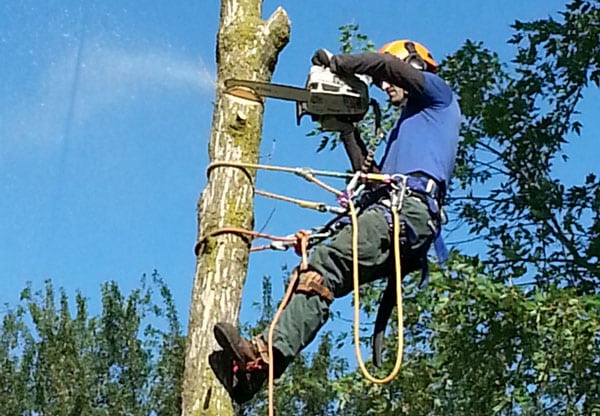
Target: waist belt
x=428 y=191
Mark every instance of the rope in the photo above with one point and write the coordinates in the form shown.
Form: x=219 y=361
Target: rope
x=400 y=351
x=302 y=203
x=298 y=171
x=271 y=378
x=306 y=173
x=240 y=231
x=302 y=246
x=302 y=238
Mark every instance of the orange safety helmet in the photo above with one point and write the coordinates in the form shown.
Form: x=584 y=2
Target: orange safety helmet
x=412 y=53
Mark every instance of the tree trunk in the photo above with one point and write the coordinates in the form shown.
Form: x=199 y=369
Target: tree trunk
x=247 y=48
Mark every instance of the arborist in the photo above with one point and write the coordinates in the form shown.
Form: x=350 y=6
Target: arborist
x=421 y=149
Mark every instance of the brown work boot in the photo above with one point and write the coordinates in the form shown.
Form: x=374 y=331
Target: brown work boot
x=249 y=355
x=247 y=360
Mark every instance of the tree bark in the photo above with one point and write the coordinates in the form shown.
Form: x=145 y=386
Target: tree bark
x=247 y=48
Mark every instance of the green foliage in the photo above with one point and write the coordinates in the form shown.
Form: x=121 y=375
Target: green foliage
x=485 y=348
x=517 y=121
x=473 y=346
x=64 y=362
x=351 y=40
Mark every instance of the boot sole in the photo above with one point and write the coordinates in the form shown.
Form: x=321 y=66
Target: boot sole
x=221 y=362
x=237 y=385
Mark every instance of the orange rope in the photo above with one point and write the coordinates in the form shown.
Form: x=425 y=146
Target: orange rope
x=286 y=299
x=241 y=231
x=301 y=247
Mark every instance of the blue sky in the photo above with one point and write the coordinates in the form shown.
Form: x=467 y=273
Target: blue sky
x=105 y=115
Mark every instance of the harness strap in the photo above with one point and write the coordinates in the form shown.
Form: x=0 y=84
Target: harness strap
x=433 y=196
x=261 y=357
x=384 y=311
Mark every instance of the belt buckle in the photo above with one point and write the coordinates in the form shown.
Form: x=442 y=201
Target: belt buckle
x=431 y=187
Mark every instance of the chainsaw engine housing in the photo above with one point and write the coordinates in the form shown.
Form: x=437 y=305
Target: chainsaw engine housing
x=334 y=96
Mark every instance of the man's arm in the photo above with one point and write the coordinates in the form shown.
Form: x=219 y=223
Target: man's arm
x=381 y=67
x=355 y=149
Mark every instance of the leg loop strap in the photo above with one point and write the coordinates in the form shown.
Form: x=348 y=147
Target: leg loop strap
x=311 y=283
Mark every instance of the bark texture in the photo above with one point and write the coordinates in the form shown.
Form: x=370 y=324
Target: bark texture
x=247 y=48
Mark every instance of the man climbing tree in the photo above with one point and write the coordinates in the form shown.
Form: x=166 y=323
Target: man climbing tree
x=247 y=47
x=419 y=160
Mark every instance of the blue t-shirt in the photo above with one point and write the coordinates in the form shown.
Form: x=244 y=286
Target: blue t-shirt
x=425 y=137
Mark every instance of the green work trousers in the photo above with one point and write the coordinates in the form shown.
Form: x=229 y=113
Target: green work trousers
x=306 y=314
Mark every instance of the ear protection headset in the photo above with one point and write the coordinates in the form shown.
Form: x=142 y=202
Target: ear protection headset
x=413 y=57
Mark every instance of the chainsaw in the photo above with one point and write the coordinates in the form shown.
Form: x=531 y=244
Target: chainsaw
x=330 y=99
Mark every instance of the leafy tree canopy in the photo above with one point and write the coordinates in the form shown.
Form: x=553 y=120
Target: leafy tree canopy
x=127 y=360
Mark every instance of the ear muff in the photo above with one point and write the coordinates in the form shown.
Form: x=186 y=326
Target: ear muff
x=413 y=57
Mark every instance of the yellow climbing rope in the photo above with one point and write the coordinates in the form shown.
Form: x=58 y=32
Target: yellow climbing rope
x=397 y=263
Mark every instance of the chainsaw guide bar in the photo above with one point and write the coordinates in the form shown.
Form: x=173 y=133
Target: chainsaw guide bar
x=327 y=97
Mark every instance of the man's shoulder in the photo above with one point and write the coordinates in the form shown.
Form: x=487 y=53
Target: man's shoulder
x=437 y=89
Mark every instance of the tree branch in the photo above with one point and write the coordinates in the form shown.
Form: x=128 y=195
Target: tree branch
x=489 y=148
